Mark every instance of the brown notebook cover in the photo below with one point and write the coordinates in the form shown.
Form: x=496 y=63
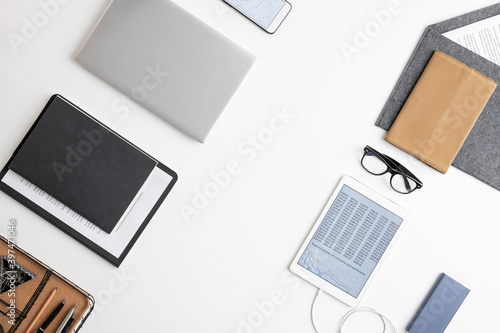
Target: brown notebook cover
x=440 y=111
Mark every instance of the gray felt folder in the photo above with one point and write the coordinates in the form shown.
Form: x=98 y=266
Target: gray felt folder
x=480 y=153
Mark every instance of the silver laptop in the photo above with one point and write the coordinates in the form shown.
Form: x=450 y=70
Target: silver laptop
x=167 y=60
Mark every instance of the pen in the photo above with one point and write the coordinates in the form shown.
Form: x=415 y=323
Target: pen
x=66 y=319
x=68 y=325
x=51 y=318
x=42 y=309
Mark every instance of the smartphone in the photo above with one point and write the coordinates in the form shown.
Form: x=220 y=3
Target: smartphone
x=267 y=14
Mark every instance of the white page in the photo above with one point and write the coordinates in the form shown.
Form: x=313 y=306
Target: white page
x=482 y=37
x=114 y=242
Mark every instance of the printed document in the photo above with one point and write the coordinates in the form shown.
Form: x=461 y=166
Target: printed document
x=482 y=37
x=116 y=242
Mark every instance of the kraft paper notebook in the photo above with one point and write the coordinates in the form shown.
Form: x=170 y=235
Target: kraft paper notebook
x=28 y=283
x=86 y=179
x=440 y=111
x=480 y=153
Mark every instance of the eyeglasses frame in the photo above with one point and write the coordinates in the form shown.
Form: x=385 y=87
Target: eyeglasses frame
x=393 y=167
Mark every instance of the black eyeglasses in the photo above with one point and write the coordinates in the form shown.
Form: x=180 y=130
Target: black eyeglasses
x=402 y=180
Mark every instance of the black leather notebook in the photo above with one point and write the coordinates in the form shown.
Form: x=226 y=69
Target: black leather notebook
x=109 y=170
x=82 y=164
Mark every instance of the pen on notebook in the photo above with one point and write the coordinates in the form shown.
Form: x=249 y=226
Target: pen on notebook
x=68 y=325
x=42 y=309
x=66 y=319
x=51 y=317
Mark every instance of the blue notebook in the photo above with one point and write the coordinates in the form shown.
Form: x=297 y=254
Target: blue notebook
x=439 y=307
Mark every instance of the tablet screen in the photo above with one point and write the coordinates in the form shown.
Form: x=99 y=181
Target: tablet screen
x=350 y=241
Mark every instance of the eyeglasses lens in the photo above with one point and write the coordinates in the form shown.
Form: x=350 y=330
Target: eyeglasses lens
x=402 y=184
x=373 y=164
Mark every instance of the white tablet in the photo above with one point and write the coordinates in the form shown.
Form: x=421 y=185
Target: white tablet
x=349 y=241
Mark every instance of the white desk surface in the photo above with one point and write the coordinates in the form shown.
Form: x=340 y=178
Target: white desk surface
x=221 y=270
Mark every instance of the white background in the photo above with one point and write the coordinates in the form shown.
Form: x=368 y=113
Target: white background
x=214 y=272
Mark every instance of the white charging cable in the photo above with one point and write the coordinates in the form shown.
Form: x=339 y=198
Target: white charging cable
x=312 y=309
x=385 y=321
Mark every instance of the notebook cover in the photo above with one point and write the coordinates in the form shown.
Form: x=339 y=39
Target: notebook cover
x=480 y=153
x=82 y=164
x=439 y=307
x=440 y=111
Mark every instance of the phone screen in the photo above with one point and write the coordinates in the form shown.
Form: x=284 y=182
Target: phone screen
x=262 y=12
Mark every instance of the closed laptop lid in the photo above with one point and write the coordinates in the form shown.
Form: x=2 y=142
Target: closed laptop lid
x=167 y=60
